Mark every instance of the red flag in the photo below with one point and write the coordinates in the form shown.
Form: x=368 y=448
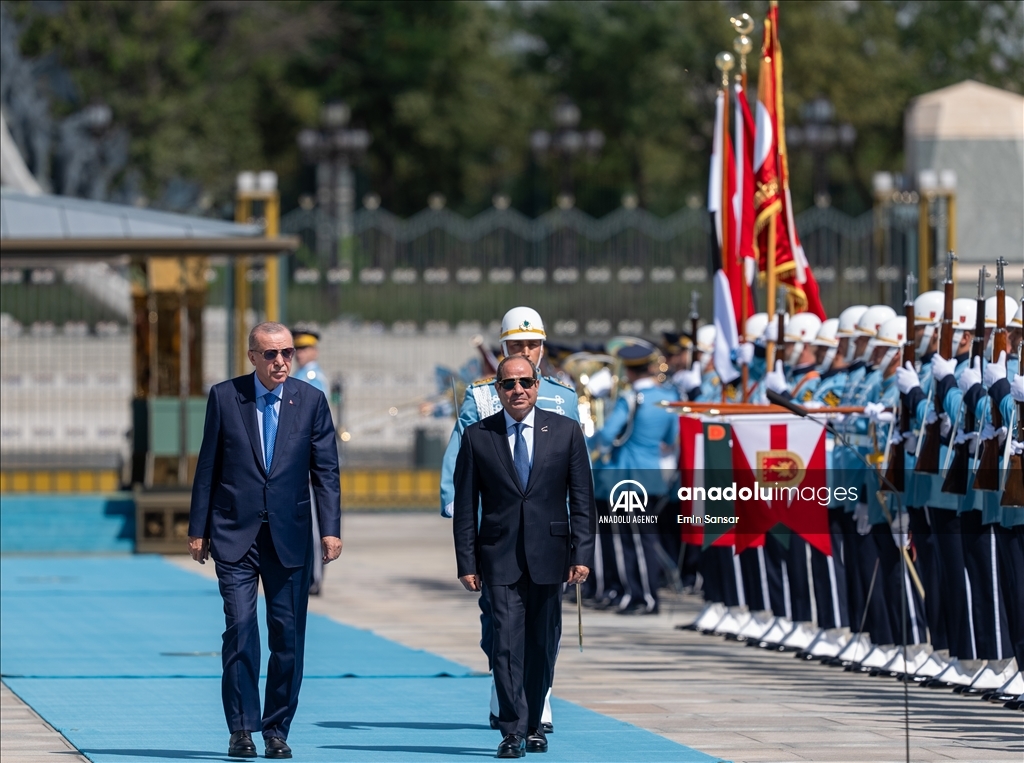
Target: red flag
x=691 y=466
x=743 y=202
x=771 y=173
x=779 y=470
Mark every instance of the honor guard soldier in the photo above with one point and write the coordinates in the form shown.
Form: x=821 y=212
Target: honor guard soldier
x=636 y=438
x=522 y=333
x=307 y=355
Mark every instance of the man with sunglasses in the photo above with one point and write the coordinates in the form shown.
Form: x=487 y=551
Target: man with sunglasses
x=518 y=466
x=522 y=333
x=268 y=437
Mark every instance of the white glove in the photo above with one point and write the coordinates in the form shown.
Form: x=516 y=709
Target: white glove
x=776 y=380
x=970 y=376
x=995 y=371
x=988 y=432
x=1017 y=447
x=947 y=425
x=689 y=380
x=1017 y=389
x=813 y=405
x=860 y=516
x=745 y=353
x=941 y=368
x=931 y=417
x=907 y=378
x=899 y=528
x=877 y=413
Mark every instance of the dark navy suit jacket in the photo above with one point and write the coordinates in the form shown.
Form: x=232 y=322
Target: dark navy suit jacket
x=232 y=492
x=524 y=528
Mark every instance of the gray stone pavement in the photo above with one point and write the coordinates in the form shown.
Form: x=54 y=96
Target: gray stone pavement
x=396 y=577
x=27 y=738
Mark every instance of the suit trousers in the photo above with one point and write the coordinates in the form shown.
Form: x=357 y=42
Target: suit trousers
x=286 y=590
x=526 y=619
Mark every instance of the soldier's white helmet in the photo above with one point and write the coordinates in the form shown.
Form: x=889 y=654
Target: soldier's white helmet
x=965 y=314
x=802 y=327
x=522 y=323
x=755 y=327
x=827 y=334
x=892 y=333
x=990 y=309
x=1018 y=319
x=706 y=338
x=928 y=308
x=848 y=320
x=872 y=319
x=771 y=330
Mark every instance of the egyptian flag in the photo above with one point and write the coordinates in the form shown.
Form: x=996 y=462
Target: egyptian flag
x=727 y=271
x=771 y=176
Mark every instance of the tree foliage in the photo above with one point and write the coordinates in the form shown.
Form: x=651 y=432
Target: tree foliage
x=451 y=90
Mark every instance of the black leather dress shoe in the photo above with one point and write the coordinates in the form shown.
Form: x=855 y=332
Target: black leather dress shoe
x=278 y=749
x=547 y=728
x=493 y=720
x=512 y=746
x=240 y=745
x=536 y=741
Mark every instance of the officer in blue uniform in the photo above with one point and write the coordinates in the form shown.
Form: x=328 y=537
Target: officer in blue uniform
x=522 y=333
x=637 y=437
x=307 y=368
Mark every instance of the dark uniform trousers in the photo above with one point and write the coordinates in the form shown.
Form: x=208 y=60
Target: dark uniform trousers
x=286 y=590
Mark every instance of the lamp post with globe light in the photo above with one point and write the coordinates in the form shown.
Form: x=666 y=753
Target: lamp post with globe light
x=564 y=144
x=333 y=149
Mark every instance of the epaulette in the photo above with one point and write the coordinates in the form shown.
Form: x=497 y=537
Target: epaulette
x=482 y=382
x=556 y=380
x=831 y=399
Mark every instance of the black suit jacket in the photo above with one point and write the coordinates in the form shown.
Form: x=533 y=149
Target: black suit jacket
x=232 y=491
x=523 y=527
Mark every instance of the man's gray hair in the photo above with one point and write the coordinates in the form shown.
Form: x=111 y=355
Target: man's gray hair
x=501 y=366
x=268 y=327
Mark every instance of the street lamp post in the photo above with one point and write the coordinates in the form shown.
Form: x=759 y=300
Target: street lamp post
x=334 y=148
x=564 y=144
x=820 y=135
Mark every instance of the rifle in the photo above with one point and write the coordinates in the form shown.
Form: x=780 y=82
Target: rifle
x=1013 y=463
x=928 y=463
x=957 y=476
x=987 y=475
x=489 y=366
x=694 y=318
x=895 y=472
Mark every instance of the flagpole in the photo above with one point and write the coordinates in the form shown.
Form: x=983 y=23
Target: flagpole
x=744 y=24
x=772 y=287
x=725 y=62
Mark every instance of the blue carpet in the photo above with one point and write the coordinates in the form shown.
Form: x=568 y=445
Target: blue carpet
x=67 y=523
x=119 y=655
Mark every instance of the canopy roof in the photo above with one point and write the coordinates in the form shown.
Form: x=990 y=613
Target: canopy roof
x=63 y=226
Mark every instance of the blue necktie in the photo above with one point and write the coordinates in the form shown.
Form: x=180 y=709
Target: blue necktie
x=521 y=457
x=269 y=427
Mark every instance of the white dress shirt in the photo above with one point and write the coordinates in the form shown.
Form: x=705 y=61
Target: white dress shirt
x=261 y=405
x=510 y=426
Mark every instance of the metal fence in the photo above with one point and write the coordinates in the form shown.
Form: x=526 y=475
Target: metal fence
x=398 y=308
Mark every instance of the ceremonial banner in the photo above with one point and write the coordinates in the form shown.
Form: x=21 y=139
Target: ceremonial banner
x=727 y=272
x=771 y=173
x=742 y=476
x=780 y=463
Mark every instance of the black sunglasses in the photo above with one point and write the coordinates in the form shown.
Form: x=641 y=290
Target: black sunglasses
x=287 y=353
x=510 y=384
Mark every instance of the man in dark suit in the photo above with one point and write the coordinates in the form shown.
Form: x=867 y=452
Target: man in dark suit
x=519 y=465
x=268 y=437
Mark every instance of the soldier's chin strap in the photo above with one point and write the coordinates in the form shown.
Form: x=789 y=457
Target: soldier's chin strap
x=829 y=359
x=887 y=358
x=794 y=354
x=926 y=339
x=851 y=348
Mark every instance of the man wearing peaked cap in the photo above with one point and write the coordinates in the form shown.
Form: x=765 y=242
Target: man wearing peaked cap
x=637 y=435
